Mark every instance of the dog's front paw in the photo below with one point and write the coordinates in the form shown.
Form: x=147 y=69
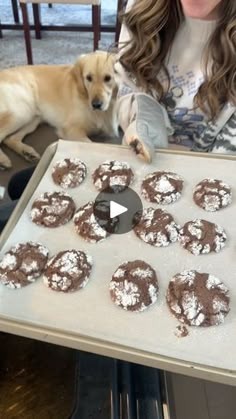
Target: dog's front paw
x=140 y=149
x=30 y=157
x=4 y=166
x=5 y=162
x=29 y=153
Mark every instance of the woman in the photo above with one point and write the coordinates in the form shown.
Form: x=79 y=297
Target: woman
x=182 y=54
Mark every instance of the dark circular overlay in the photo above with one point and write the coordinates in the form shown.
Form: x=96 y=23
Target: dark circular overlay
x=123 y=223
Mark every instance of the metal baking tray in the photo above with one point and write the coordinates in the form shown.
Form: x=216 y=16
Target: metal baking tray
x=87 y=319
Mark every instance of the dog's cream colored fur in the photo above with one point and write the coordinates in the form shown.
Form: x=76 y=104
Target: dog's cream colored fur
x=64 y=96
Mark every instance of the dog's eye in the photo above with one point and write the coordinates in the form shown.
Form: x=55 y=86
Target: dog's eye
x=107 y=78
x=89 y=77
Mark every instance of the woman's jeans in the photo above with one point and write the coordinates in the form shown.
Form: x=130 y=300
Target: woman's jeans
x=16 y=187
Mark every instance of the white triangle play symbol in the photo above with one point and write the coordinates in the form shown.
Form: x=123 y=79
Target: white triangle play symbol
x=116 y=209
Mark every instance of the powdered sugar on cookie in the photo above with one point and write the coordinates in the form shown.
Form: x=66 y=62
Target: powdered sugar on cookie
x=52 y=209
x=113 y=175
x=87 y=226
x=69 y=172
x=157 y=228
x=212 y=194
x=134 y=286
x=22 y=264
x=198 y=299
x=202 y=237
x=68 y=271
x=162 y=187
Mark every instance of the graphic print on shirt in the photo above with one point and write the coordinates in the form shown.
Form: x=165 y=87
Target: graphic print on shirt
x=188 y=122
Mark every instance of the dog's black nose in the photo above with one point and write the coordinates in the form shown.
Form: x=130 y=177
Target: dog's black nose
x=97 y=104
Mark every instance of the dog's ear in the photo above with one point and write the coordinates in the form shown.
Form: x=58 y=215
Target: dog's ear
x=77 y=72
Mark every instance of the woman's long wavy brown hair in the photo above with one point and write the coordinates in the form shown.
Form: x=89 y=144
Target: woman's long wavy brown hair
x=153 y=25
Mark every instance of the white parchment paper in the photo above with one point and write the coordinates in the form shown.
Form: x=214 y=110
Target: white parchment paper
x=90 y=312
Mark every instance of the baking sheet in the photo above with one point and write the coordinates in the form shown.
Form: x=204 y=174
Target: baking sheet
x=90 y=312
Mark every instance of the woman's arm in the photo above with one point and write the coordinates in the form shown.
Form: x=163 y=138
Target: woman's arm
x=145 y=124
x=144 y=121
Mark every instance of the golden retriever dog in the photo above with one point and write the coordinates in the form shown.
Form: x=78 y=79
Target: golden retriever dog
x=77 y=100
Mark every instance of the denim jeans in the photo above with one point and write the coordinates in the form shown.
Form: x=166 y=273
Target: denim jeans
x=16 y=187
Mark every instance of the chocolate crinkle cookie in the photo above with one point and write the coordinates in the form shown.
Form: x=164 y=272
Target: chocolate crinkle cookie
x=68 y=271
x=212 y=194
x=112 y=176
x=198 y=299
x=52 y=209
x=162 y=187
x=202 y=237
x=87 y=226
x=69 y=173
x=134 y=286
x=22 y=264
x=157 y=227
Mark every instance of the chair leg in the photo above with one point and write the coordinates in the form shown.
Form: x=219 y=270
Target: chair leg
x=0 y=30
x=50 y=5
x=96 y=26
x=37 y=24
x=26 y=28
x=15 y=11
x=118 y=29
x=99 y=13
x=120 y=7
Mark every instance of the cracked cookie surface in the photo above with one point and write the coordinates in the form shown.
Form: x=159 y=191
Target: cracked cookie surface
x=198 y=299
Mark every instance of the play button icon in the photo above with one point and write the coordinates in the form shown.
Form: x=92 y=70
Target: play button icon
x=122 y=212
x=116 y=209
